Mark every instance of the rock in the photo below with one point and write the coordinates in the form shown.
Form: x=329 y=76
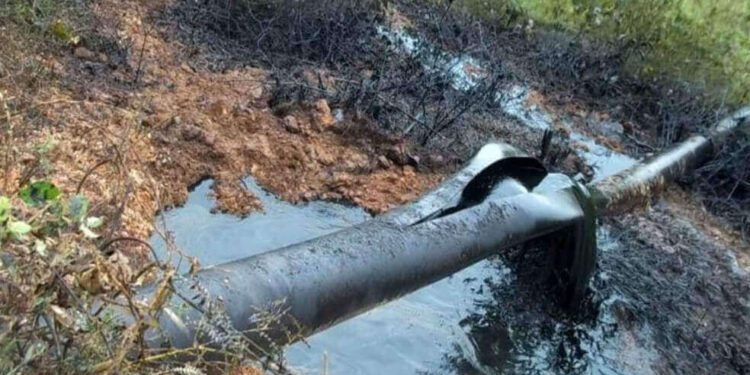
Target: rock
x=338 y=114
x=256 y=92
x=397 y=155
x=291 y=125
x=209 y=138
x=384 y=162
x=219 y=109
x=191 y=132
x=323 y=113
x=413 y=160
x=435 y=160
x=84 y=53
x=186 y=68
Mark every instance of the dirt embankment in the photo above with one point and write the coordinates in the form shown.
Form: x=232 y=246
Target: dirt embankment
x=151 y=125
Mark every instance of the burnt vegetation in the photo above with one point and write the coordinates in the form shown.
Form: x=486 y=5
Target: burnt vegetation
x=333 y=50
x=338 y=50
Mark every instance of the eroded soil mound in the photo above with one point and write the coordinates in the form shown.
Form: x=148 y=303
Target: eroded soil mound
x=153 y=123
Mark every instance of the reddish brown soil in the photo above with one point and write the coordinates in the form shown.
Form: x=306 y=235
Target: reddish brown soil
x=182 y=125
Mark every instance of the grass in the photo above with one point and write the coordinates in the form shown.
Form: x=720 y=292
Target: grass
x=700 y=42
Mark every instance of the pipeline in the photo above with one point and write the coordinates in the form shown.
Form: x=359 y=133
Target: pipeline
x=635 y=185
x=498 y=200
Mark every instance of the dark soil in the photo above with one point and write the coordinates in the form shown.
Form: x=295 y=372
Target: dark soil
x=663 y=292
x=357 y=69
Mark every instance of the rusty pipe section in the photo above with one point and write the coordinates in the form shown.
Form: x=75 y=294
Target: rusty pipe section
x=636 y=185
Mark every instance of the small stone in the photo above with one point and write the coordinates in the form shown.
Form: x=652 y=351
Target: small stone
x=324 y=156
x=219 y=109
x=58 y=68
x=84 y=53
x=323 y=113
x=413 y=160
x=435 y=160
x=367 y=73
x=147 y=121
x=611 y=129
x=311 y=79
x=409 y=171
x=579 y=146
x=209 y=139
x=186 y=68
x=161 y=138
x=291 y=125
x=338 y=114
x=311 y=152
x=191 y=132
x=384 y=162
x=397 y=155
x=256 y=92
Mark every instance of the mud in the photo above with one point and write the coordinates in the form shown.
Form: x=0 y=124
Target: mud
x=157 y=126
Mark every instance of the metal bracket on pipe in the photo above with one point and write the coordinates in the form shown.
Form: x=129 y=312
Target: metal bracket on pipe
x=474 y=182
x=574 y=259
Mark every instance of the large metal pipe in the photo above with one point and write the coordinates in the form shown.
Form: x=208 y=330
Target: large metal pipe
x=637 y=184
x=483 y=209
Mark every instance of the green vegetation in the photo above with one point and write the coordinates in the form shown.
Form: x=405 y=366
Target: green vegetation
x=706 y=43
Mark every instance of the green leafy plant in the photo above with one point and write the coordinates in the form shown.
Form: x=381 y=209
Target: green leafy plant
x=39 y=192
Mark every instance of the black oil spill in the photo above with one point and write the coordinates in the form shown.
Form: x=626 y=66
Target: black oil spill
x=664 y=299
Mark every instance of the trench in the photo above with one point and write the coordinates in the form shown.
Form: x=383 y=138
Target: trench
x=491 y=317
